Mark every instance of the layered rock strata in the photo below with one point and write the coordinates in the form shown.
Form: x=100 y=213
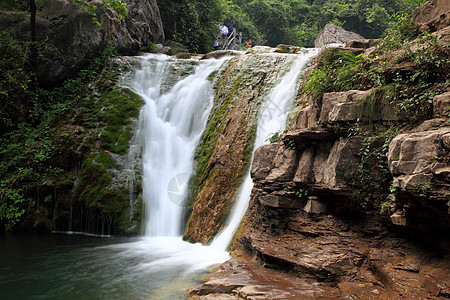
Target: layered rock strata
x=304 y=220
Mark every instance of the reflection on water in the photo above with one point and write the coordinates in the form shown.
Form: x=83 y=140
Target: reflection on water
x=60 y=266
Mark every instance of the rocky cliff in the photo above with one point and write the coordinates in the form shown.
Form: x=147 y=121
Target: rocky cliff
x=354 y=201
x=70 y=38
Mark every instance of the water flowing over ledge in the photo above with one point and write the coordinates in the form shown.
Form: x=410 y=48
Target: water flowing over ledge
x=170 y=126
x=272 y=119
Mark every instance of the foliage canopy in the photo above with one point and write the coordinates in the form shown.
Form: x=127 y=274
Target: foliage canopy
x=271 y=22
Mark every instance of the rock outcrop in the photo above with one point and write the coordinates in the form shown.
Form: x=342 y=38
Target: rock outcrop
x=71 y=38
x=433 y=15
x=332 y=34
x=227 y=142
x=298 y=217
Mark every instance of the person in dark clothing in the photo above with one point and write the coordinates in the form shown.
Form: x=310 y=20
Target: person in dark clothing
x=230 y=28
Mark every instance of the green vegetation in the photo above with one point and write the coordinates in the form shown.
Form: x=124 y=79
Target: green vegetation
x=218 y=115
x=36 y=147
x=411 y=90
x=275 y=137
x=118 y=5
x=372 y=178
x=301 y=193
x=298 y=22
x=194 y=23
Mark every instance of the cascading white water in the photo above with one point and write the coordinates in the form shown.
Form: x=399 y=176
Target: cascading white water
x=171 y=124
x=154 y=266
x=272 y=118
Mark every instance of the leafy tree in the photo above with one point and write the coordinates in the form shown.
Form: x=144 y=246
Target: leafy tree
x=193 y=23
x=299 y=21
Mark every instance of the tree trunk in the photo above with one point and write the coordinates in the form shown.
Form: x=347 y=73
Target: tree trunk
x=33 y=48
x=33 y=20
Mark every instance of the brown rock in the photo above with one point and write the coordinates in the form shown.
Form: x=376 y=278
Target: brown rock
x=411 y=157
x=183 y=55
x=288 y=49
x=337 y=171
x=73 y=38
x=281 y=201
x=341 y=106
x=441 y=105
x=221 y=53
x=446 y=141
x=304 y=172
x=433 y=15
x=216 y=286
x=263 y=160
x=399 y=219
x=314 y=206
x=332 y=34
x=364 y=44
x=284 y=165
x=305 y=118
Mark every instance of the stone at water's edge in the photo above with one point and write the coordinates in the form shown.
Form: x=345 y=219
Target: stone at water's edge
x=72 y=38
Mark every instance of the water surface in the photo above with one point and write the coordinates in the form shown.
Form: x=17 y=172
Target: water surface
x=64 y=266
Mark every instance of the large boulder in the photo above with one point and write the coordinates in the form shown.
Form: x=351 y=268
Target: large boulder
x=433 y=15
x=332 y=34
x=71 y=38
x=416 y=157
x=441 y=105
x=419 y=162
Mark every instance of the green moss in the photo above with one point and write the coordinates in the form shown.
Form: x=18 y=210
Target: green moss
x=94 y=180
x=219 y=113
x=212 y=75
x=119 y=107
x=379 y=101
x=105 y=159
x=68 y=183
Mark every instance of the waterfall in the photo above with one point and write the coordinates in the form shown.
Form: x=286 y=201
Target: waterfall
x=272 y=118
x=171 y=123
x=178 y=98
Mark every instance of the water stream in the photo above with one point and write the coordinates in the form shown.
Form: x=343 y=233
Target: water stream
x=171 y=124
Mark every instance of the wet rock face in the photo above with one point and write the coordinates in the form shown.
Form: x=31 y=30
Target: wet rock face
x=227 y=142
x=332 y=34
x=72 y=38
x=291 y=254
